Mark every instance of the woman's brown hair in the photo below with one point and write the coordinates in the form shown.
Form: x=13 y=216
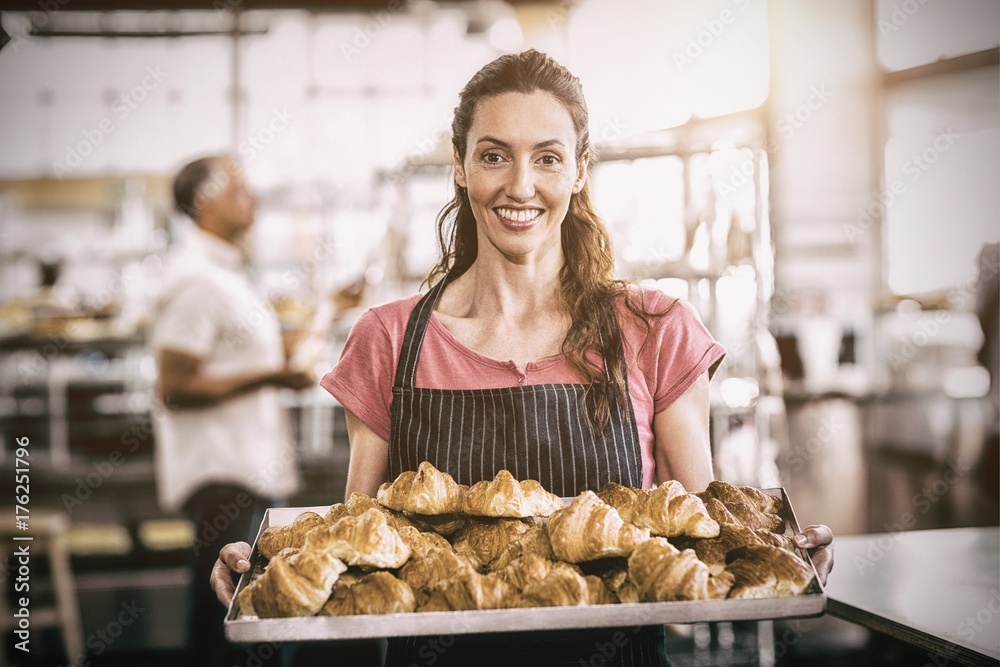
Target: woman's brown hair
x=587 y=284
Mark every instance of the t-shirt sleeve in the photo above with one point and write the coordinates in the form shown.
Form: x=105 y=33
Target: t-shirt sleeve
x=187 y=320
x=362 y=379
x=680 y=349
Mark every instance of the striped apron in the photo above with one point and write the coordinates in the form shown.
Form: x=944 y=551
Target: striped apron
x=536 y=432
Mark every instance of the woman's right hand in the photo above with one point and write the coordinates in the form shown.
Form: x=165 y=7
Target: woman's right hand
x=233 y=557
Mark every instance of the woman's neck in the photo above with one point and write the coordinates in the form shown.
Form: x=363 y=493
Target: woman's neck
x=496 y=287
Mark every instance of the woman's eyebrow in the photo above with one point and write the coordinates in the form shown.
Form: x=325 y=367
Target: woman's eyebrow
x=503 y=144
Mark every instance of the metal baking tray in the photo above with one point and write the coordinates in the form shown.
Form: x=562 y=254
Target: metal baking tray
x=316 y=628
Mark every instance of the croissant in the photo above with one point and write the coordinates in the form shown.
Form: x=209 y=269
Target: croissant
x=295 y=585
x=525 y=570
x=599 y=592
x=661 y=573
x=668 y=510
x=563 y=586
x=361 y=540
x=358 y=504
x=504 y=496
x=617 y=495
x=731 y=536
x=729 y=493
x=485 y=540
x=421 y=543
x=469 y=590
x=533 y=542
x=435 y=567
x=442 y=524
x=277 y=538
x=426 y=490
x=762 y=571
x=376 y=593
x=590 y=529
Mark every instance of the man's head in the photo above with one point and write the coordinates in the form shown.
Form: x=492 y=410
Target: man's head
x=211 y=190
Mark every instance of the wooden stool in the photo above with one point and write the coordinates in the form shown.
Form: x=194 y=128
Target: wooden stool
x=47 y=530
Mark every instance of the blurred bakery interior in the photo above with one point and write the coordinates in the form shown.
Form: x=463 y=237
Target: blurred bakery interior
x=819 y=179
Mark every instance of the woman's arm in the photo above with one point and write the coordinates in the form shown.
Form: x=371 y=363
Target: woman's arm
x=681 y=447
x=369 y=458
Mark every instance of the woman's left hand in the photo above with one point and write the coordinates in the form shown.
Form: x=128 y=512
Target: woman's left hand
x=818 y=539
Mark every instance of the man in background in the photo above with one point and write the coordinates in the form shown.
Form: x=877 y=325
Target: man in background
x=223 y=441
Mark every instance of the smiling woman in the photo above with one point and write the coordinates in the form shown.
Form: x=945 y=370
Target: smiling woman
x=527 y=354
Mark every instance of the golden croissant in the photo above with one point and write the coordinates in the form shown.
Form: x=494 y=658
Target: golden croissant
x=599 y=592
x=762 y=571
x=295 y=585
x=422 y=543
x=617 y=495
x=278 y=538
x=525 y=570
x=563 y=586
x=669 y=510
x=485 y=540
x=469 y=590
x=376 y=593
x=748 y=516
x=661 y=573
x=442 y=524
x=728 y=493
x=590 y=529
x=358 y=504
x=731 y=536
x=435 y=567
x=365 y=540
x=533 y=542
x=504 y=496
x=425 y=490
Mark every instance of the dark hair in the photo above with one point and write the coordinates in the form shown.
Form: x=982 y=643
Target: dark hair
x=587 y=284
x=190 y=180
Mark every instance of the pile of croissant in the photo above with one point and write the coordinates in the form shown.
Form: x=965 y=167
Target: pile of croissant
x=426 y=543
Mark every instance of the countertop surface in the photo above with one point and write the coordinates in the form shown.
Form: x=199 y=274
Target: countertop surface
x=938 y=589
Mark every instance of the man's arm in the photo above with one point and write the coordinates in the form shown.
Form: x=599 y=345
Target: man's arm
x=682 y=449
x=183 y=384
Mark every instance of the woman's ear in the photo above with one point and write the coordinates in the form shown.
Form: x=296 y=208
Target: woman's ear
x=581 y=173
x=459 y=169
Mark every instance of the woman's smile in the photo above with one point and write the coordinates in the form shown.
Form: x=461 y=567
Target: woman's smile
x=520 y=171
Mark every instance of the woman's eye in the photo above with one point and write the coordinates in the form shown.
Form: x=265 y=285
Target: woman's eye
x=492 y=158
x=550 y=160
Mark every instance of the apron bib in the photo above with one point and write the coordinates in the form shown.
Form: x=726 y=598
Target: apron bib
x=538 y=432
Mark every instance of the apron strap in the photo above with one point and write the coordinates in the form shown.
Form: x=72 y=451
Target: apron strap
x=413 y=340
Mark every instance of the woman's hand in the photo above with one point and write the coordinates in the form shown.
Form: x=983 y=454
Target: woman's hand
x=818 y=539
x=233 y=557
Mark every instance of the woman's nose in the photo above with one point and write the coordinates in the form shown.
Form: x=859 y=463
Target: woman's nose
x=522 y=181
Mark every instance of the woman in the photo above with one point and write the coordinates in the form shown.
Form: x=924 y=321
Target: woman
x=527 y=354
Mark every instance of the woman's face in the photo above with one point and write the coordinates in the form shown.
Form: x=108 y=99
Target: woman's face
x=520 y=170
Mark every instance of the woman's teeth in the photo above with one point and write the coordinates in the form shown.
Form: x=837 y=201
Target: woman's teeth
x=524 y=215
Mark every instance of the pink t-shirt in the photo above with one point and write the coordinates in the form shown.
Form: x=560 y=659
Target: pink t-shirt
x=678 y=351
